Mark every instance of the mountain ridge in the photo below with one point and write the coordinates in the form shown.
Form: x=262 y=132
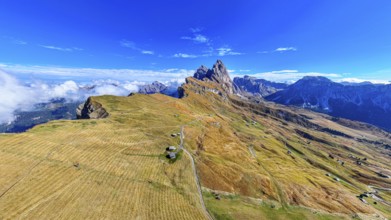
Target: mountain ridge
x=259 y=87
x=368 y=103
x=254 y=161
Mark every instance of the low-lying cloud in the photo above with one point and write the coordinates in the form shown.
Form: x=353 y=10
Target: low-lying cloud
x=82 y=74
x=17 y=96
x=291 y=76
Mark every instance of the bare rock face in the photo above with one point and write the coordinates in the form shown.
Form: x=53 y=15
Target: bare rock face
x=218 y=74
x=91 y=110
x=201 y=72
x=155 y=87
x=251 y=86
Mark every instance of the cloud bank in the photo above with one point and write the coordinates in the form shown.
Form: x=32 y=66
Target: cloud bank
x=291 y=76
x=22 y=97
x=80 y=74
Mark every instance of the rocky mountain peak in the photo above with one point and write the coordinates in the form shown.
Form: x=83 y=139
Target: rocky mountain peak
x=218 y=74
x=201 y=72
x=318 y=79
x=155 y=87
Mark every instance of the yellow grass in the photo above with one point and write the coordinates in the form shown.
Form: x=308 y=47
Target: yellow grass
x=114 y=168
x=120 y=173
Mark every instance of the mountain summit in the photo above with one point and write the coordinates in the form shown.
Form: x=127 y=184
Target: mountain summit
x=218 y=74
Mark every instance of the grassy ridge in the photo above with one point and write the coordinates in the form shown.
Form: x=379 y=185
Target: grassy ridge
x=112 y=168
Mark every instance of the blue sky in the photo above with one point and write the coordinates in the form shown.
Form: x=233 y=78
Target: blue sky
x=280 y=40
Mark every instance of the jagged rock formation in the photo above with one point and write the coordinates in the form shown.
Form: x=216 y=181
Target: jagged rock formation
x=368 y=103
x=155 y=87
x=218 y=74
x=201 y=72
x=249 y=86
x=91 y=110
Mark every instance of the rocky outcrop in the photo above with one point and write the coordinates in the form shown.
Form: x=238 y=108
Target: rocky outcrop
x=201 y=72
x=91 y=110
x=249 y=86
x=218 y=74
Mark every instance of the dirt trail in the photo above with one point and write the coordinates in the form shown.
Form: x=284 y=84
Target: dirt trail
x=195 y=174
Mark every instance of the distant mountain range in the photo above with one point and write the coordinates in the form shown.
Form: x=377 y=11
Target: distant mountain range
x=158 y=87
x=248 y=85
x=366 y=102
x=369 y=103
x=43 y=112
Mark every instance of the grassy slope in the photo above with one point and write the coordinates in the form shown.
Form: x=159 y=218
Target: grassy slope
x=123 y=175
x=226 y=162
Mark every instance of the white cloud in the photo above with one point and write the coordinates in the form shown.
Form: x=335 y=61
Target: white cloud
x=77 y=49
x=200 y=38
x=184 y=55
x=284 y=49
x=14 y=40
x=149 y=52
x=82 y=74
x=225 y=51
x=290 y=76
x=195 y=30
x=357 y=80
x=132 y=45
x=171 y=70
x=14 y=96
x=197 y=38
x=17 y=96
x=280 y=49
x=20 y=42
x=114 y=90
x=128 y=44
x=21 y=97
x=61 y=48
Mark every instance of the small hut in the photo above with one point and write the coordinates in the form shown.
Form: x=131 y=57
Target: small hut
x=171 y=155
x=171 y=148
